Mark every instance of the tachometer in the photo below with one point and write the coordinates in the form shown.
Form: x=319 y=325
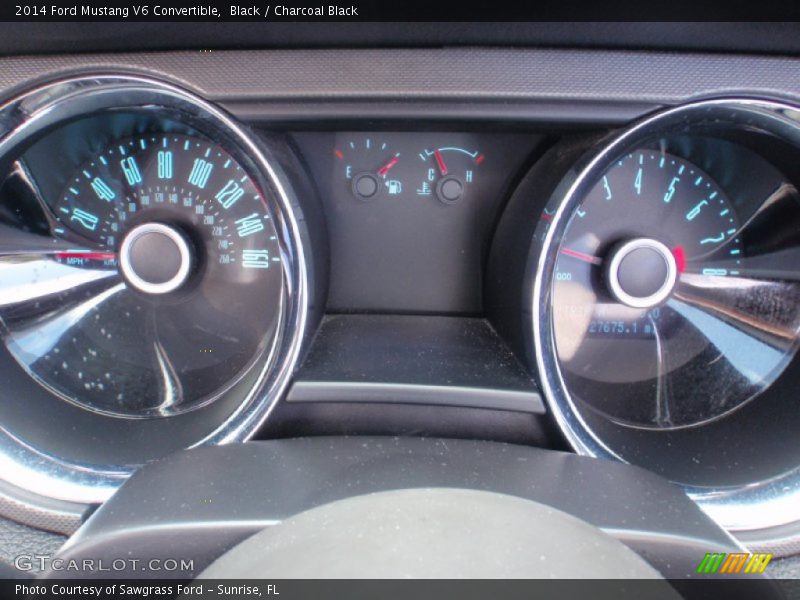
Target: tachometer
x=660 y=302
x=654 y=322
x=656 y=319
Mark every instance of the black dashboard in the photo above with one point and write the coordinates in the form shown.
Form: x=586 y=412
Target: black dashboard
x=591 y=250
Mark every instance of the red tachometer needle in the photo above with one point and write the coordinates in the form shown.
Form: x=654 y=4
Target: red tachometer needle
x=87 y=255
x=440 y=162
x=594 y=260
x=384 y=170
x=680 y=258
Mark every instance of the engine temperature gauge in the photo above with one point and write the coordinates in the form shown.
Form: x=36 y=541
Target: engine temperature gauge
x=450 y=171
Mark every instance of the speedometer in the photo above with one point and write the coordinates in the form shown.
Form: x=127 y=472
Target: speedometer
x=176 y=287
x=155 y=280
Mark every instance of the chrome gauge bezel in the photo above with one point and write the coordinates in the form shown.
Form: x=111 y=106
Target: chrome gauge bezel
x=763 y=513
x=51 y=477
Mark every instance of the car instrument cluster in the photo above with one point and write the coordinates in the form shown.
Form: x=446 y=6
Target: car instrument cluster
x=165 y=268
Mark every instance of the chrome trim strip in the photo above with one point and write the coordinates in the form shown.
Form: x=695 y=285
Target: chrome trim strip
x=41 y=513
x=401 y=393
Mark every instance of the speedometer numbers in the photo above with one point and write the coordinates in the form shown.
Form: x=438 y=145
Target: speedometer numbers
x=179 y=281
x=172 y=178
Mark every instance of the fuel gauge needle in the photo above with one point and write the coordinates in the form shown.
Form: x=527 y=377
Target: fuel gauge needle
x=592 y=260
x=384 y=170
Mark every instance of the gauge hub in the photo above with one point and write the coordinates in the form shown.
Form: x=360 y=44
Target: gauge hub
x=155 y=258
x=365 y=186
x=449 y=189
x=641 y=273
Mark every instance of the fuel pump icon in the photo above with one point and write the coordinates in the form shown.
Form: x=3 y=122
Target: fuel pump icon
x=394 y=187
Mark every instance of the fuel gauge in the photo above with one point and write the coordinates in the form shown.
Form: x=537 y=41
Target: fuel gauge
x=450 y=171
x=369 y=167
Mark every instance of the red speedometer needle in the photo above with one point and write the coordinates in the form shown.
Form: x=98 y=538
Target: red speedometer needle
x=384 y=170
x=440 y=162
x=87 y=255
x=593 y=260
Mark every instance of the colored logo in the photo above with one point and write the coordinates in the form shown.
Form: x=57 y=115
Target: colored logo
x=723 y=563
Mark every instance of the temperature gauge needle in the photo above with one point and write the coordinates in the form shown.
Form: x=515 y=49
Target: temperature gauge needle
x=592 y=260
x=440 y=162
x=384 y=170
